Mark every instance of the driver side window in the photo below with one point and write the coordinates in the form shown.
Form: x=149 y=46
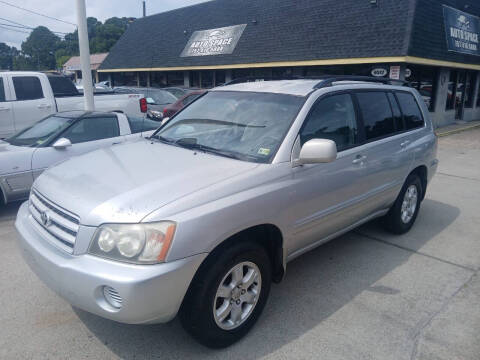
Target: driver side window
x=332 y=118
x=92 y=129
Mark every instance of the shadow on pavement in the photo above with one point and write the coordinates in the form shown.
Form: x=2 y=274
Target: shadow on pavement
x=9 y=211
x=316 y=286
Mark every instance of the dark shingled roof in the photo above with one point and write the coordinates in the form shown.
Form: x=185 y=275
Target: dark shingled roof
x=287 y=30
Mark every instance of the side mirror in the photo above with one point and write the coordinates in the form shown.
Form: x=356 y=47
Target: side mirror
x=318 y=151
x=62 y=143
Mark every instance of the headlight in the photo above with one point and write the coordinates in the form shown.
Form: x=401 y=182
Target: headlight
x=154 y=114
x=134 y=243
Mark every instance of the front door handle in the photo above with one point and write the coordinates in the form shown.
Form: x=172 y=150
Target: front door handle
x=44 y=106
x=4 y=109
x=405 y=143
x=359 y=159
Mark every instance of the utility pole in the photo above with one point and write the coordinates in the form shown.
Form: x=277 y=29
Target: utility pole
x=85 y=56
x=144 y=9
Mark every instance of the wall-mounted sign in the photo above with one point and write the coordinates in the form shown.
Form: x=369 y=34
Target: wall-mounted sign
x=214 y=41
x=395 y=72
x=462 y=31
x=379 y=72
x=408 y=73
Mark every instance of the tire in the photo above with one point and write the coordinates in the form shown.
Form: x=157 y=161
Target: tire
x=197 y=312
x=401 y=216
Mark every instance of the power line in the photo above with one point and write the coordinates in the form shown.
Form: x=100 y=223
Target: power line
x=36 y=13
x=20 y=31
x=30 y=28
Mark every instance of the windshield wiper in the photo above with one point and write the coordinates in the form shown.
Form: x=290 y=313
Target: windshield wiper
x=191 y=143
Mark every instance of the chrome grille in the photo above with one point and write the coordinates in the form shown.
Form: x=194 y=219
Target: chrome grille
x=58 y=225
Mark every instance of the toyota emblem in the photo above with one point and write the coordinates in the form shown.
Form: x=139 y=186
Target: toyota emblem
x=45 y=218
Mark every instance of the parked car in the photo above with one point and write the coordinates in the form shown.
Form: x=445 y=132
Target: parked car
x=26 y=97
x=178 y=92
x=157 y=99
x=178 y=105
x=25 y=155
x=202 y=217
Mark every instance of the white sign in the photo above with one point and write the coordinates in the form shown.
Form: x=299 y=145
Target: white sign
x=408 y=73
x=214 y=41
x=379 y=72
x=395 y=72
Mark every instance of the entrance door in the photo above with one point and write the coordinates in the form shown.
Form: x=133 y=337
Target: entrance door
x=460 y=95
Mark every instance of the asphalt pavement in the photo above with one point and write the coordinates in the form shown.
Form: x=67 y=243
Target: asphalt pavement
x=366 y=295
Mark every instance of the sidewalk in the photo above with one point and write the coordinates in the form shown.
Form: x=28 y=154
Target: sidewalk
x=456 y=128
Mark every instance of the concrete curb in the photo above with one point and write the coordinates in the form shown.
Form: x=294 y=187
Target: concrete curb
x=455 y=131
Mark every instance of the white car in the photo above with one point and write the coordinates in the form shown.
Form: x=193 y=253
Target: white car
x=25 y=155
x=26 y=97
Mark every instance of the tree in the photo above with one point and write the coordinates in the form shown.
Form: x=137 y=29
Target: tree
x=7 y=54
x=40 y=48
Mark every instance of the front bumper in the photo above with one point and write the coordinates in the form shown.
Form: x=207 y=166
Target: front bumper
x=150 y=293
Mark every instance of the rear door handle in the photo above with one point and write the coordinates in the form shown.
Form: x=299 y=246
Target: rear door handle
x=4 y=109
x=405 y=143
x=359 y=159
x=44 y=106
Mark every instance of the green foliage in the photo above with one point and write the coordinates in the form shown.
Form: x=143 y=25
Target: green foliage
x=43 y=50
x=7 y=55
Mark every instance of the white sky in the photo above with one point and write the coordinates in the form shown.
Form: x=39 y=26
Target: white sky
x=65 y=10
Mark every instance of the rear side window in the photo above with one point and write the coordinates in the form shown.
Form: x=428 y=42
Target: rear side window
x=92 y=129
x=138 y=124
x=411 y=112
x=2 y=91
x=62 y=86
x=376 y=114
x=332 y=118
x=27 y=88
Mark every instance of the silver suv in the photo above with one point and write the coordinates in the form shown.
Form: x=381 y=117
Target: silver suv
x=200 y=218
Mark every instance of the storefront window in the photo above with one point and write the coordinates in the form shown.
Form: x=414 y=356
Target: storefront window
x=126 y=79
x=175 y=78
x=423 y=79
x=478 y=92
x=206 y=79
x=451 y=90
x=158 y=79
x=142 y=77
x=220 y=77
x=469 y=89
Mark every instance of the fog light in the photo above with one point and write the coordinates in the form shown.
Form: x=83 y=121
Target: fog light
x=112 y=297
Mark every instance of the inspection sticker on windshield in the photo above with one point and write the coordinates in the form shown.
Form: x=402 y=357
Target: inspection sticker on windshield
x=264 y=151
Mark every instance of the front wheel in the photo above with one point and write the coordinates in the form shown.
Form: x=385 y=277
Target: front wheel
x=404 y=211
x=228 y=295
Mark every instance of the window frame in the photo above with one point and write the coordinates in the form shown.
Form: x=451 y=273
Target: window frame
x=3 y=90
x=360 y=129
x=27 y=76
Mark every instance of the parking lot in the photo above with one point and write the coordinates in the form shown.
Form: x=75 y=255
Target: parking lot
x=366 y=295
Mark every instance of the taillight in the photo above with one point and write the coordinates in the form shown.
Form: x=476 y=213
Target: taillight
x=143 y=105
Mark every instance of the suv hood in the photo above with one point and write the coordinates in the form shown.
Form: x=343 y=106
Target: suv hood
x=125 y=183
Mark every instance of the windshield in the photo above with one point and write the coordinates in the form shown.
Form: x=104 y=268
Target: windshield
x=243 y=125
x=41 y=132
x=160 y=97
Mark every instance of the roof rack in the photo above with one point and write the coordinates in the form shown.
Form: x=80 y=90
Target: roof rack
x=325 y=80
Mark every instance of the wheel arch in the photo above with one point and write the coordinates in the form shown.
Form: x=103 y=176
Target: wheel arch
x=422 y=172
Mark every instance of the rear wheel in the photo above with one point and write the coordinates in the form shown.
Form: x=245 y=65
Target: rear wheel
x=228 y=295
x=404 y=211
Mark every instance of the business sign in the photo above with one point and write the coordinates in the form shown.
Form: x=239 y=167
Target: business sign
x=214 y=41
x=462 y=30
x=379 y=72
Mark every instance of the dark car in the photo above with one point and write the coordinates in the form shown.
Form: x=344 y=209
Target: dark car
x=156 y=99
x=172 y=109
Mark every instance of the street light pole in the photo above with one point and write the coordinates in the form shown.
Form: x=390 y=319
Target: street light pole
x=85 y=56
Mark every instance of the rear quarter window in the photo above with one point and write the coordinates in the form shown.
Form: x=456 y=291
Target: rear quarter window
x=138 y=124
x=377 y=114
x=62 y=86
x=412 y=114
x=27 y=88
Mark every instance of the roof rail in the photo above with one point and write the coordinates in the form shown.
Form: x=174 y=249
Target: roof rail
x=329 y=80
x=325 y=80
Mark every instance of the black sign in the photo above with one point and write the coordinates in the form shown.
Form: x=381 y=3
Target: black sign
x=462 y=30
x=214 y=41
